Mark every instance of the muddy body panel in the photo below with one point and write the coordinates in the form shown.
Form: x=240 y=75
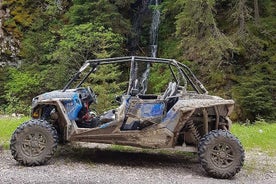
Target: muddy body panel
x=161 y=128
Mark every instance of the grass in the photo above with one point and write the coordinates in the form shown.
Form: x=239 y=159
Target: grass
x=261 y=137
x=258 y=139
x=7 y=127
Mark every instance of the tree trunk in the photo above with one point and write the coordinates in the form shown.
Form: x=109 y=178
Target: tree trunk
x=241 y=11
x=256 y=11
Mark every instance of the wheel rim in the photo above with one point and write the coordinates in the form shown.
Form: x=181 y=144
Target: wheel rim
x=222 y=155
x=34 y=144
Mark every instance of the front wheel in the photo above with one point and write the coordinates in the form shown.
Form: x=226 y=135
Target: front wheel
x=34 y=142
x=221 y=154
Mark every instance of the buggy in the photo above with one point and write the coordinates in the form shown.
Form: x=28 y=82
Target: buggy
x=183 y=117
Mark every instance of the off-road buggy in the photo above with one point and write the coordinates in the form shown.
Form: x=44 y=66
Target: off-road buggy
x=183 y=117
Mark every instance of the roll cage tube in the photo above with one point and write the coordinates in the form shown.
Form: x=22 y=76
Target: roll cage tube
x=71 y=81
x=133 y=74
x=76 y=76
x=184 y=71
x=92 y=70
x=199 y=84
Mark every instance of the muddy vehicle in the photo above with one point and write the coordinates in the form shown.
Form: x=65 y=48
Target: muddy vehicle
x=183 y=117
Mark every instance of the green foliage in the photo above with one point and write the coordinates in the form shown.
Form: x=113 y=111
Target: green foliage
x=7 y=127
x=3 y=78
x=256 y=92
x=37 y=47
x=87 y=41
x=157 y=84
x=37 y=51
x=168 y=44
x=52 y=51
x=106 y=85
x=260 y=136
x=82 y=42
x=20 y=89
x=102 y=11
x=197 y=27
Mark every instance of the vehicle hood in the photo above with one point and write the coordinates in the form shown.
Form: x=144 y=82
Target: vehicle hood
x=193 y=101
x=58 y=94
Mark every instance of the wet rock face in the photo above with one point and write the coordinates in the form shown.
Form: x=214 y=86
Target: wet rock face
x=140 y=16
x=9 y=45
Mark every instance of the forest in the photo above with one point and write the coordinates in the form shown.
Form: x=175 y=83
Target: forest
x=229 y=44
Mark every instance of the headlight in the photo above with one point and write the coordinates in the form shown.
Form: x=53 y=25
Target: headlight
x=34 y=101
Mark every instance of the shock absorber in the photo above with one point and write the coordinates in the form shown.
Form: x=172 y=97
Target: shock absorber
x=193 y=129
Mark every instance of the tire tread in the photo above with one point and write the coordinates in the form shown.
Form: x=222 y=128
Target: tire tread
x=203 y=146
x=30 y=124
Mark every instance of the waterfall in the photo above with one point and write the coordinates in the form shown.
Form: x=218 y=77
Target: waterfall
x=154 y=27
x=153 y=41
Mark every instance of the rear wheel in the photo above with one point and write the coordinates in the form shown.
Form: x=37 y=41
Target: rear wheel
x=221 y=154
x=34 y=142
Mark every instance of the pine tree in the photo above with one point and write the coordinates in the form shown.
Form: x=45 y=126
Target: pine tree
x=105 y=12
x=201 y=39
x=105 y=83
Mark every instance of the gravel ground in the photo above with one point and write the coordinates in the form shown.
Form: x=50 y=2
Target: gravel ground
x=103 y=165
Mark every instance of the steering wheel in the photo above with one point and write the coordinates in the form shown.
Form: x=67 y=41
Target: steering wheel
x=92 y=95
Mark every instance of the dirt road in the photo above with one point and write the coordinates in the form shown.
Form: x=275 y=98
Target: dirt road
x=103 y=165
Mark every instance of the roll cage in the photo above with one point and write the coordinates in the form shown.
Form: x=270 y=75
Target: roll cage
x=184 y=71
